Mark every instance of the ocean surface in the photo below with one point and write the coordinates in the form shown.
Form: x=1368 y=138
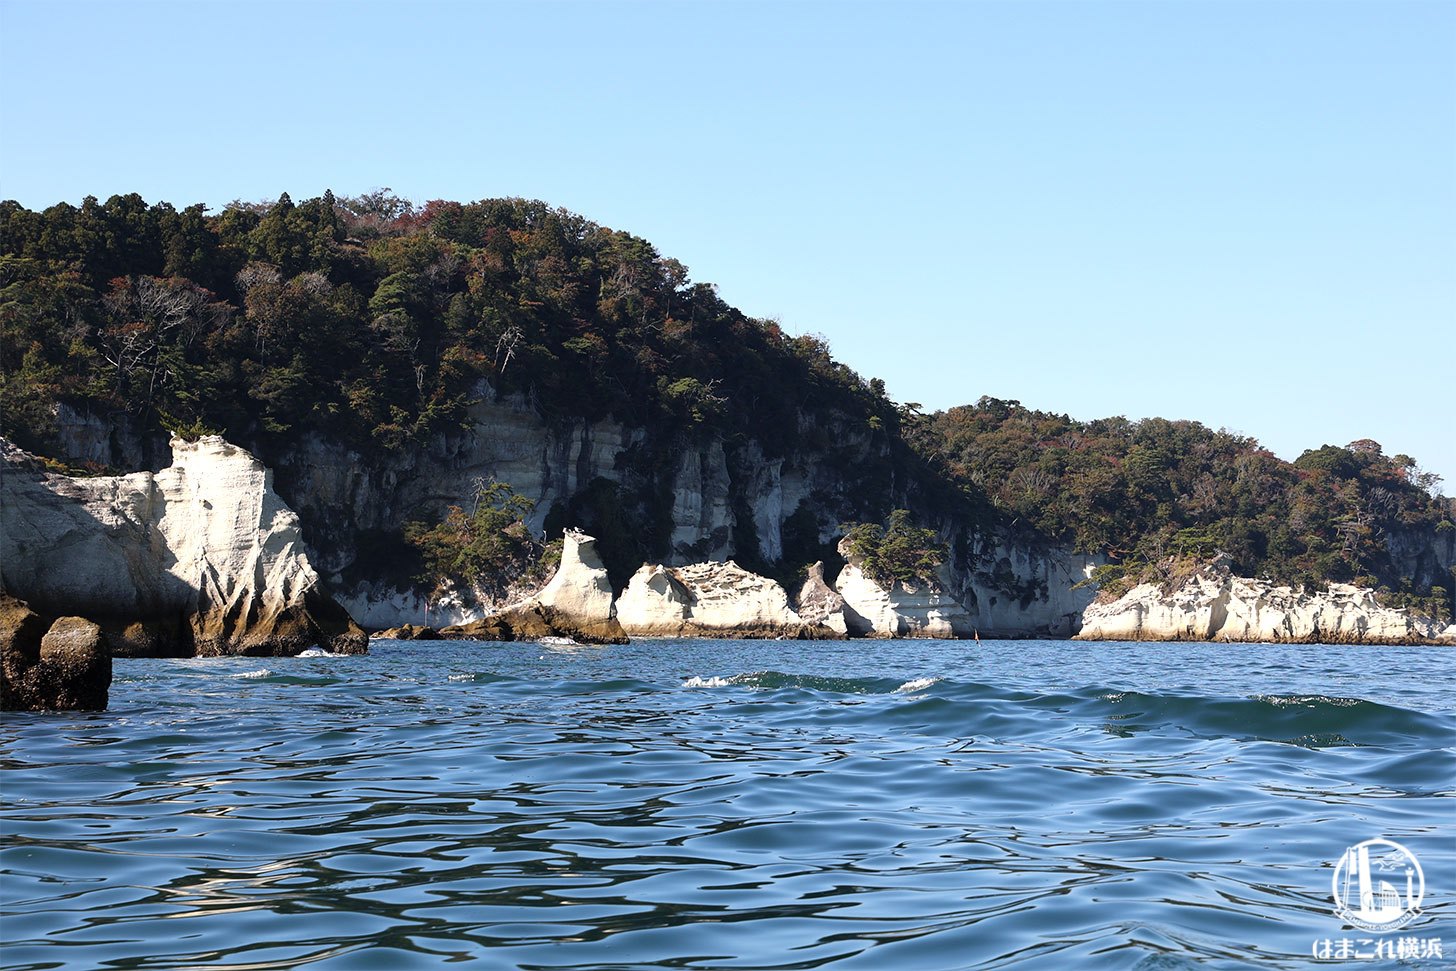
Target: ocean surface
x=710 y=804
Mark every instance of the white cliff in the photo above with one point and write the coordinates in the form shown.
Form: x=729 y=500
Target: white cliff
x=704 y=599
x=383 y=606
x=1214 y=605
x=202 y=557
x=343 y=494
x=702 y=500
x=1013 y=589
x=915 y=609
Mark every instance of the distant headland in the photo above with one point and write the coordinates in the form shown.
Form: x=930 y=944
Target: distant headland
x=439 y=393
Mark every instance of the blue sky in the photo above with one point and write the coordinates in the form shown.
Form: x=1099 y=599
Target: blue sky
x=1238 y=212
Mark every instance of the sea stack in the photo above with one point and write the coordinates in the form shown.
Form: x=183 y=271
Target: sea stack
x=577 y=603
x=202 y=558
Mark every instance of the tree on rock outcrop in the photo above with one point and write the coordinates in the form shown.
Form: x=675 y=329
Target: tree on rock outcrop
x=490 y=549
x=898 y=551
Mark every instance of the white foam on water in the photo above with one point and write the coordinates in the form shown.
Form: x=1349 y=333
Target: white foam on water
x=253 y=675
x=462 y=677
x=317 y=652
x=707 y=682
x=917 y=684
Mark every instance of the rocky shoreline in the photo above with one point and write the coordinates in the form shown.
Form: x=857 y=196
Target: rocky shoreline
x=1216 y=605
x=199 y=559
x=51 y=663
x=203 y=558
x=723 y=600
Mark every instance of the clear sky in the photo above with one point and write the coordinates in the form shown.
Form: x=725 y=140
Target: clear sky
x=1238 y=212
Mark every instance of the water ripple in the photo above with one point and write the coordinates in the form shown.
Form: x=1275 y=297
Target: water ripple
x=926 y=806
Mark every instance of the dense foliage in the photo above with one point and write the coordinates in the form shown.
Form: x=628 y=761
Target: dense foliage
x=897 y=552
x=1156 y=495
x=376 y=323
x=488 y=550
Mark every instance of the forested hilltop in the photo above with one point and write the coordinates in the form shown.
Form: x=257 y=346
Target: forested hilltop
x=1158 y=497
x=377 y=324
x=373 y=320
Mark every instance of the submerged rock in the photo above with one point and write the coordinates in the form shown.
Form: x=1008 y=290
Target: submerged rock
x=64 y=666
x=709 y=600
x=577 y=603
x=1215 y=605
x=201 y=558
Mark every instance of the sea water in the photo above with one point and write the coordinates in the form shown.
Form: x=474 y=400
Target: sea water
x=719 y=804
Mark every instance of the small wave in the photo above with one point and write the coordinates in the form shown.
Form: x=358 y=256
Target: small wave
x=486 y=677
x=778 y=680
x=254 y=675
x=1283 y=701
x=696 y=682
x=1311 y=721
x=318 y=652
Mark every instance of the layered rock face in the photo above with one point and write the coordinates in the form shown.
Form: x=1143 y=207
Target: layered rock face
x=201 y=558
x=577 y=603
x=702 y=500
x=380 y=607
x=710 y=496
x=903 y=610
x=821 y=604
x=709 y=600
x=1010 y=589
x=64 y=665
x=342 y=493
x=1214 y=605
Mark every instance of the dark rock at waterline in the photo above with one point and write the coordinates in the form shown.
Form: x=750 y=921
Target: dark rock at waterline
x=21 y=631
x=63 y=666
x=408 y=632
x=534 y=620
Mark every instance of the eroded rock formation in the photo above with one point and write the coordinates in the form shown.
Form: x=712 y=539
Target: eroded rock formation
x=577 y=603
x=1214 y=605
x=709 y=600
x=901 y=610
x=704 y=499
x=200 y=558
x=819 y=603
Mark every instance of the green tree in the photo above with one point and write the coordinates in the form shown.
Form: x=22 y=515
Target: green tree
x=898 y=551
x=489 y=549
